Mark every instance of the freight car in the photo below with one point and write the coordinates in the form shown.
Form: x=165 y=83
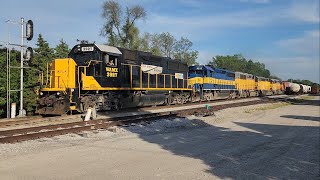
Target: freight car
x=109 y=78
x=294 y=88
x=315 y=89
x=305 y=88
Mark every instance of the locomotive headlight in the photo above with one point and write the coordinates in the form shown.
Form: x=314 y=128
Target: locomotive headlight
x=58 y=93
x=72 y=90
x=41 y=93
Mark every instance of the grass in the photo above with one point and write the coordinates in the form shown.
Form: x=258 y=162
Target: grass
x=268 y=107
x=297 y=100
x=306 y=97
x=300 y=99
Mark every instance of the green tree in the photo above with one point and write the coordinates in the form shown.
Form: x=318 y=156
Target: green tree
x=183 y=51
x=304 y=81
x=61 y=50
x=166 y=43
x=238 y=63
x=15 y=78
x=43 y=55
x=150 y=42
x=275 y=77
x=119 y=27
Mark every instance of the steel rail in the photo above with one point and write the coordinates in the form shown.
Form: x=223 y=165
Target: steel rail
x=32 y=120
x=17 y=135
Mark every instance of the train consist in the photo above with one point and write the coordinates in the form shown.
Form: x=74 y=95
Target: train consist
x=109 y=78
x=294 y=88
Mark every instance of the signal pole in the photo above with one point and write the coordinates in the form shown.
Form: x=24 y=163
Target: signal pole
x=21 y=111
x=29 y=52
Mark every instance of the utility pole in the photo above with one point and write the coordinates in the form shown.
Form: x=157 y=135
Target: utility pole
x=21 y=111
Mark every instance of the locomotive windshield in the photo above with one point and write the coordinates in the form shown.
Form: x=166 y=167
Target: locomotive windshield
x=196 y=73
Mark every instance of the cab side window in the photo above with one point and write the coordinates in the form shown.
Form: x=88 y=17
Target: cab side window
x=111 y=61
x=94 y=69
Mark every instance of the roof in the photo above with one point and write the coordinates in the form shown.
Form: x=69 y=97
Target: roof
x=243 y=73
x=209 y=67
x=214 y=68
x=108 y=49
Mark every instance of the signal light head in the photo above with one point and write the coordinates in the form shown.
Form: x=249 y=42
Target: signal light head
x=28 y=54
x=29 y=30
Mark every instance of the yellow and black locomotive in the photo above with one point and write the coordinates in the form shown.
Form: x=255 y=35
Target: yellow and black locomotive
x=110 y=78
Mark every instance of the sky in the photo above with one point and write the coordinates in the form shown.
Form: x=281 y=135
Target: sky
x=282 y=34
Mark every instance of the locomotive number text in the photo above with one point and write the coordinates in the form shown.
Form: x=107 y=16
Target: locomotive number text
x=112 y=72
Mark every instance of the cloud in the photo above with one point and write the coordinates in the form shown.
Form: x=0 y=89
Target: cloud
x=198 y=27
x=203 y=24
x=256 y=1
x=296 y=67
x=300 y=57
x=205 y=57
x=305 y=11
x=54 y=21
x=191 y=3
x=308 y=43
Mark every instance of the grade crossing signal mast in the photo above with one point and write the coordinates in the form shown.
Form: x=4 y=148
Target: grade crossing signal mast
x=26 y=56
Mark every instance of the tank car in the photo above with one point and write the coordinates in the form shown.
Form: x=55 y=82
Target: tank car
x=305 y=88
x=309 y=89
x=295 y=88
x=109 y=78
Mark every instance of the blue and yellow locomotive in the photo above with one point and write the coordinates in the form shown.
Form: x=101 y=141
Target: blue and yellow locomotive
x=212 y=83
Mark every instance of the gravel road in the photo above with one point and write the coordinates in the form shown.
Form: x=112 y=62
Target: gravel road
x=272 y=141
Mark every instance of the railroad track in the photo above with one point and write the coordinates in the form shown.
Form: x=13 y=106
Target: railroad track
x=23 y=134
x=38 y=120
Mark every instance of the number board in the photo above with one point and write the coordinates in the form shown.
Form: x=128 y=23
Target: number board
x=87 y=49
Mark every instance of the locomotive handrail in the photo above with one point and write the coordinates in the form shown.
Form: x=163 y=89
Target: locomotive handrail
x=47 y=74
x=151 y=81
x=156 y=78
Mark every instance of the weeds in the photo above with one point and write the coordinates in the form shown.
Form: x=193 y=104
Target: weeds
x=268 y=107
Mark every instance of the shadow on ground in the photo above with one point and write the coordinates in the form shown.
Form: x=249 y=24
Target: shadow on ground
x=261 y=151
x=302 y=101
x=309 y=118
